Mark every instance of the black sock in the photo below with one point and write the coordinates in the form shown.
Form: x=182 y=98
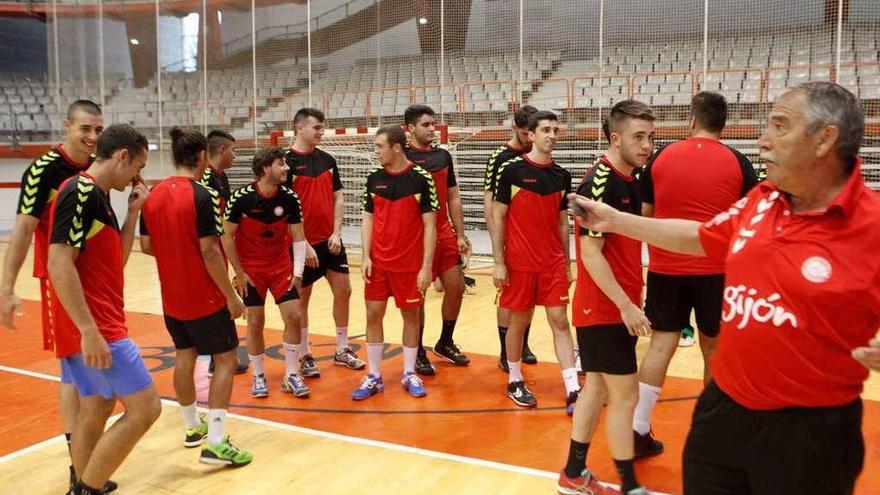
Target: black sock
x=67 y=437
x=502 y=336
x=526 y=336
x=421 y=335
x=577 y=458
x=446 y=331
x=627 y=474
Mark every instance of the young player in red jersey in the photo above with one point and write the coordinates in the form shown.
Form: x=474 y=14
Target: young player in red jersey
x=263 y=222
x=87 y=254
x=315 y=178
x=696 y=179
x=39 y=188
x=530 y=248
x=452 y=243
x=181 y=227
x=399 y=235
x=607 y=308
x=519 y=143
x=800 y=297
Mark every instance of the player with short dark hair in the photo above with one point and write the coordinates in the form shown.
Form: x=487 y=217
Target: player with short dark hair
x=398 y=238
x=518 y=144
x=607 y=308
x=181 y=226
x=452 y=243
x=87 y=254
x=696 y=178
x=530 y=248
x=314 y=177
x=39 y=188
x=263 y=223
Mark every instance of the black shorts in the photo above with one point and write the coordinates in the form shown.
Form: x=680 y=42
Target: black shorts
x=213 y=334
x=671 y=298
x=326 y=261
x=607 y=349
x=732 y=450
x=256 y=298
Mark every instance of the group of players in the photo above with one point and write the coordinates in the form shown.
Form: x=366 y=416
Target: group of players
x=282 y=233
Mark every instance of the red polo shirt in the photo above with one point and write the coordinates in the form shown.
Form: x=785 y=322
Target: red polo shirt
x=801 y=292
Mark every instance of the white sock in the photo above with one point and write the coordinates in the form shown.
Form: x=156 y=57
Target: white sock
x=290 y=359
x=341 y=338
x=256 y=364
x=304 y=342
x=374 y=358
x=190 y=415
x=216 y=426
x=570 y=377
x=204 y=358
x=648 y=395
x=409 y=359
x=515 y=374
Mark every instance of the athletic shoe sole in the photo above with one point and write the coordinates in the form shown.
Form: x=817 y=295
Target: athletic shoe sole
x=310 y=374
x=221 y=462
x=520 y=403
x=346 y=365
x=358 y=399
x=195 y=443
x=300 y=394
x=449 y=359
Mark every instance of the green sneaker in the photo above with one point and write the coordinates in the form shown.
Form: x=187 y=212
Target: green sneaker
x=195 y=436
x=225 y=454
x=687 y=337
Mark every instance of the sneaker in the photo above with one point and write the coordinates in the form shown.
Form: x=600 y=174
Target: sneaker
x=577 y=362
x=451 y=353
x=413 y=384
x=528 y=356
x=370 y=386
x=470 y=285
x=423 y=364
x=349 y=359
x=308 y=367
x=646 y=445
x=196 y=436
x=109 y=487
x=520 y=394
x=570 y=401
x=639 y=491
x=295 y=385
x=225 y=454
x=585 y=484
x=260 y=386
x=502 y=363
x=687 y=337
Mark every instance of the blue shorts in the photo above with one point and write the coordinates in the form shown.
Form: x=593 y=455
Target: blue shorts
x=127 y=375
x=65 y=375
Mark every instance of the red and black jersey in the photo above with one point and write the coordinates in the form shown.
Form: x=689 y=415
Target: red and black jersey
x=218 y=181
x=314 y=177
x=397 y=202
x=178 y=212
x=262 y=239
x=438 y=162
x=535 y=193
x=498 y=158
x=39 y=188
x=606 y=184
x=695 y=179
x=82 y=217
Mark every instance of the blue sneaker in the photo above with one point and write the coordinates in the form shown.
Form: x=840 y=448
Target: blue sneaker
x=413 y=384
x=295 y=385
x=259 y=386
x=370 y=386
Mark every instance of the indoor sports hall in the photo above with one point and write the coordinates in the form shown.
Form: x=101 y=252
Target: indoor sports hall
x=247 y=66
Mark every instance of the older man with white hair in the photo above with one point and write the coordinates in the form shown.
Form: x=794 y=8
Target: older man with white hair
x=801 y=301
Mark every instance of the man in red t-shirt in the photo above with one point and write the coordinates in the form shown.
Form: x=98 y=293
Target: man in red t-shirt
x=399 y=235
x=695 y=179
x=263 y=222
x=181 y=226
x=530 y=248
x=607 y=306
x=39 y=188
x=87 y=254
x=782 y=413
x=452 y=244
x=518 y=144
x=314 y=177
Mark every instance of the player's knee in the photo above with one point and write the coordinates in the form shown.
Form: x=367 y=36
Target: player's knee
x=256 y=320
x=343 y=292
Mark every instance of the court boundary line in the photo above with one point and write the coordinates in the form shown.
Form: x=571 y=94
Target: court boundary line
x=473 y=461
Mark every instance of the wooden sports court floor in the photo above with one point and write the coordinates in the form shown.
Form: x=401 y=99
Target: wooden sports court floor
x=464 y=437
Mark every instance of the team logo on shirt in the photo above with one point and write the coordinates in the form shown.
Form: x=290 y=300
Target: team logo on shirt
x=816 y=269
x=743 y=303
x=278 y=211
